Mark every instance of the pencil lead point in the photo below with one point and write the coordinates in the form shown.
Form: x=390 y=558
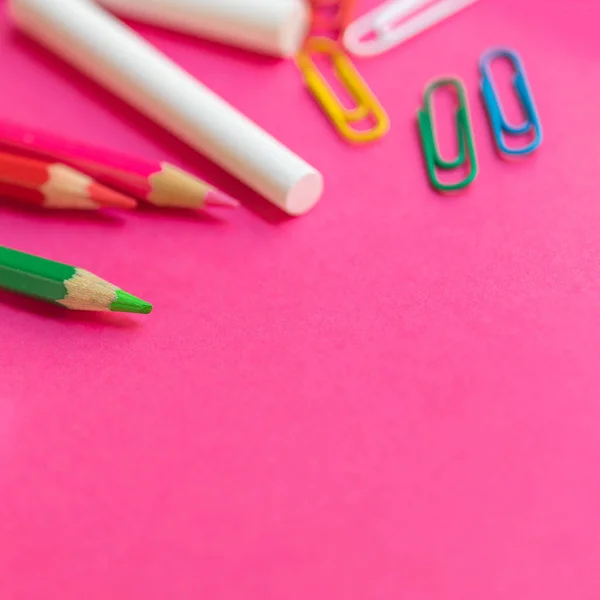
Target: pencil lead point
x=108 y=198
x=128 y=303
x=218 y=198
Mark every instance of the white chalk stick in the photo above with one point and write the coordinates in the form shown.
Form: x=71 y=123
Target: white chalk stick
x=97 y=43
x=274 y=27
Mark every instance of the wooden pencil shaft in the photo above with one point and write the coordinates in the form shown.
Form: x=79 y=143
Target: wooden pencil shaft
x=273 y=27
x=128 y=182
x=37 y=174
x=112 y=168
x=25 y=171
x=115 y=56
x=33 y=276
x=47 y=198
x=61 y=185
x=22 y=194
x=37 y=143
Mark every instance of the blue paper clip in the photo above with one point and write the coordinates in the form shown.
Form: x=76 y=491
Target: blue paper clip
x=498 y=121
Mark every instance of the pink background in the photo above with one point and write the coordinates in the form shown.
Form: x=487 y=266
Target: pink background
x=394 y=396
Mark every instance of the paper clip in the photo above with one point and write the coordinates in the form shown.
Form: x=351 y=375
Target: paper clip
x=342 y=118
x=331 y=16
x=498 y=121
x=388 y=25
x=466 y=145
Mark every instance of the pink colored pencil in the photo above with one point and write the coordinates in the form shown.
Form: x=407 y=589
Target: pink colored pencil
x=159 y=183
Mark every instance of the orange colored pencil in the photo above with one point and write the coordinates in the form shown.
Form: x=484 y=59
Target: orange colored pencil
x=331 y=16
x=58 y=185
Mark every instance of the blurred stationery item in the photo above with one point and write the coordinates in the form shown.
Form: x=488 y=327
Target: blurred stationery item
x=502 y=129
x=71 y=287
x=394 y=22
x=158 y=183
x=466 y=145
x=367 y=106
x=273 y=27
x=331 y=17
x=55 y=185
x=112 y=54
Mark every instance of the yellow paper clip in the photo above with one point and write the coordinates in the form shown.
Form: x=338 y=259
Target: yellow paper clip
x=342 y=118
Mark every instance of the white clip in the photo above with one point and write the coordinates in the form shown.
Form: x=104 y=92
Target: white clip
x=384 y=28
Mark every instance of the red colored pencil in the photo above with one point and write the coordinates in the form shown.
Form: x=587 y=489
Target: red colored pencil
x=33 y=197
x=161 y=184
x=58 y=185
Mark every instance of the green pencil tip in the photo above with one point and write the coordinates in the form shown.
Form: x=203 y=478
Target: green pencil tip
x=130 y=304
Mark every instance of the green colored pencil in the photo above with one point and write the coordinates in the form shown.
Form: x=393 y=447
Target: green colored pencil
x=62 y=284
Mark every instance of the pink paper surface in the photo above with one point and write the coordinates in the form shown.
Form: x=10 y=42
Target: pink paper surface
x=394 y=396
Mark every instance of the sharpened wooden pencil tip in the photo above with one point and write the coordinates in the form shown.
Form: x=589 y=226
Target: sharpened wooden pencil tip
x=128 y=303
x=174 y=188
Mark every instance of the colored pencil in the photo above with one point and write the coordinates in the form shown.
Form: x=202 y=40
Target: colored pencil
x=62 y=284
x=159 y=183
x=57 y=185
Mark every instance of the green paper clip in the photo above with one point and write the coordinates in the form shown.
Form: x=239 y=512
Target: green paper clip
x=433 y=159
